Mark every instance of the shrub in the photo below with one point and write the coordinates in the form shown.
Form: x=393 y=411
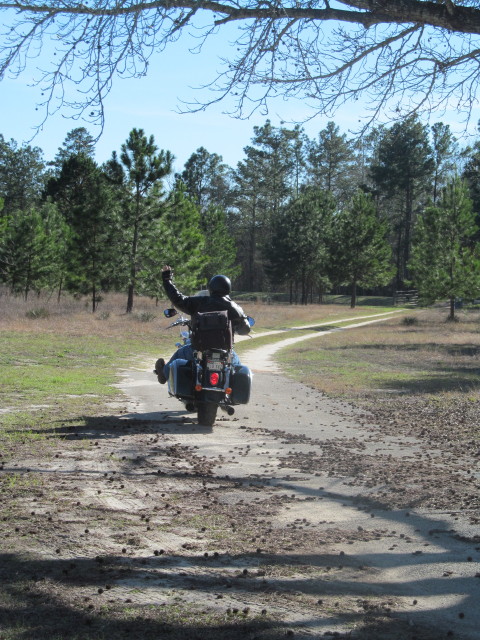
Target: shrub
x=409 y=321
x=145 y=316
x=34 y=314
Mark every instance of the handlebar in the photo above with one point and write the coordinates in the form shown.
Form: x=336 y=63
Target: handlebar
x=180 y=321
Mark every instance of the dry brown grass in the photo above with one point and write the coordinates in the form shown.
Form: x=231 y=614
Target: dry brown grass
x=74 y=317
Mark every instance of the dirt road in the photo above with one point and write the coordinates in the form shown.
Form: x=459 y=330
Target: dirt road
x=270 y=517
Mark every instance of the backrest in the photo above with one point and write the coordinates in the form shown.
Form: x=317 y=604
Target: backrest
x=211 y=330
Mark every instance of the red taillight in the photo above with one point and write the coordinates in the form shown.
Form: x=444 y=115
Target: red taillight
x=214 y=378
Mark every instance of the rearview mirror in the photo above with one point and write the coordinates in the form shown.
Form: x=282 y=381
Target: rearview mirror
x=250 y=320
x=169 y=313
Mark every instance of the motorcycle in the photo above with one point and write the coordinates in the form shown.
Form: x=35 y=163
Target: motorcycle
x=210 y=380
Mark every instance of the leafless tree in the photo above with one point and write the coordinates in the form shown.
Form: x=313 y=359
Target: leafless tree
x=401 y=55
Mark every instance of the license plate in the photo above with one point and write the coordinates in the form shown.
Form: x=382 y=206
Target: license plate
x=214 y=365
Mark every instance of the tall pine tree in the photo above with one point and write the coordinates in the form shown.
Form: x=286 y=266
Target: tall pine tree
x=402 y=174
x=445 y=259
x=86 y=201
x=360 y=252
x=138 y=180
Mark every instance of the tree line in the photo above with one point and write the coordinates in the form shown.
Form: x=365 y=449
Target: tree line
x=396 y=208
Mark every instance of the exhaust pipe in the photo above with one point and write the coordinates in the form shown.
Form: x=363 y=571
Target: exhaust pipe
x=228 y=409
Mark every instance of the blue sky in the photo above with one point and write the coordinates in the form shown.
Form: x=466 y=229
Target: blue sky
x=152 y=102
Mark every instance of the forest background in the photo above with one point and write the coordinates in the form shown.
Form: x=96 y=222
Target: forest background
x=296 y=218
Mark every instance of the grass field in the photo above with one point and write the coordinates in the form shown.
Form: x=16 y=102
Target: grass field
x=421 y=355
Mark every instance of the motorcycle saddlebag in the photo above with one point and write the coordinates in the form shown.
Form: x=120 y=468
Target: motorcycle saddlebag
x=241 y=384
x=180 y=381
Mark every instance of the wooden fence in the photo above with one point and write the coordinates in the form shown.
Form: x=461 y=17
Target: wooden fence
x=407 y=298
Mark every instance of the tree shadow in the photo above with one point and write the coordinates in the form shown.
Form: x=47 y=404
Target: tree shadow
x=455 y=379
x=316 y=328
x=113 y=596
x=28 y=611
x=463 y=377
x=112 y=426
x=456 y=350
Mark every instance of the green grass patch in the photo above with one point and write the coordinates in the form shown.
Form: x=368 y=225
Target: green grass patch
x=19 y=484
x=48 y=377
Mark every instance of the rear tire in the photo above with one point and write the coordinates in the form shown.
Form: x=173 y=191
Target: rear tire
x=207 y=412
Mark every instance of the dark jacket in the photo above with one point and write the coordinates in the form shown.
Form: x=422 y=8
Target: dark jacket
x=194 y=304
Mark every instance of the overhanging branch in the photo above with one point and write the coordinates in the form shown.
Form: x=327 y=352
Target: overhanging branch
x=376 y=49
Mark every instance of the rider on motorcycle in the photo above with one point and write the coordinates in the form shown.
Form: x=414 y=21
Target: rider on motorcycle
x=219 y=299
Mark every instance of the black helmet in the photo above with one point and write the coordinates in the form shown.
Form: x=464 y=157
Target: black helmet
x=220 y=286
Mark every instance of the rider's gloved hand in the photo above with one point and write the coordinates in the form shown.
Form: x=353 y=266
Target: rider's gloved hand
x=167 y=273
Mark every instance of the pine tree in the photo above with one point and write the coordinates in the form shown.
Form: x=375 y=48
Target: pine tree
x=264 y=181
x=445 y=154
x=445 y=259
x=471 y=174
x=247 y=221
x=176 y=239
x=360 y=251
x=298 y=252
x=87 y=203
x=32 y=249
x=220 y=249
x=137 y=178
x=22 y=175
x=206 y=179
x=402 y=173
x=330 y=160
x=77 y=141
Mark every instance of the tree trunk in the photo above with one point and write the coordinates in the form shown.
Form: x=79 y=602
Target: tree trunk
x=451 y=316
x=251 y=257
x=353 y=299
x=94 y=271
x=59 y=294
x=27 y=279
x=133 y=268
x=304 y=288
x=399 y=256
x=408 y=232
x=131 y=290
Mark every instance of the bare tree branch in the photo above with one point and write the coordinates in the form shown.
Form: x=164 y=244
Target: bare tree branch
x=405 y=55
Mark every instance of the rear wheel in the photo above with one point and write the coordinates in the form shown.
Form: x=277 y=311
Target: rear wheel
x=207 y=412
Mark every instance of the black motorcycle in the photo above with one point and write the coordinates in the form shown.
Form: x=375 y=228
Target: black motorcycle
x=210 y=379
